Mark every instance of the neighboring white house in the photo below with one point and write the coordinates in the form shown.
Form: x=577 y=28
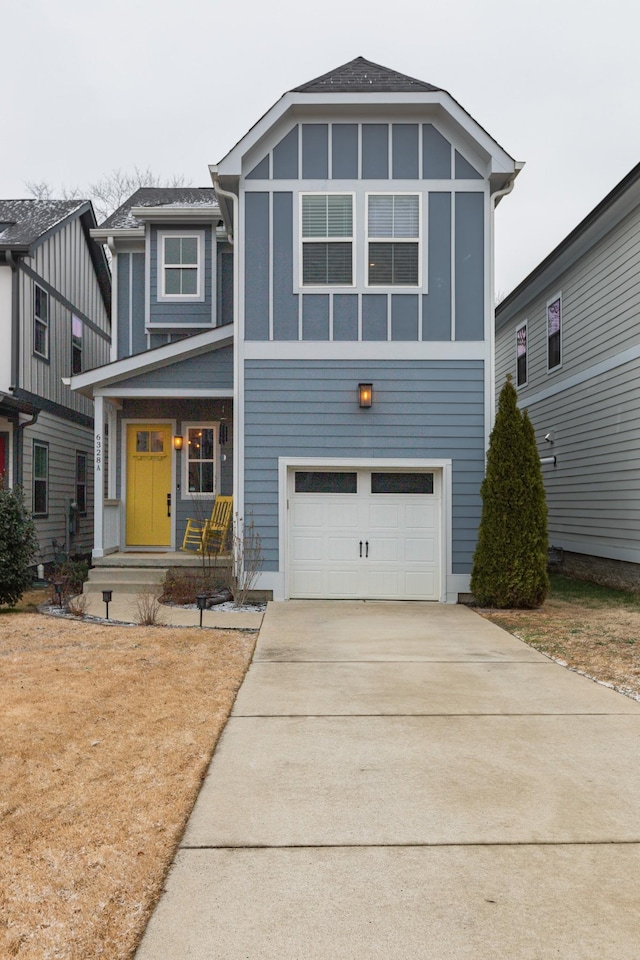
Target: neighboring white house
x=569 y=334
x=317 y=327
x=55 y=302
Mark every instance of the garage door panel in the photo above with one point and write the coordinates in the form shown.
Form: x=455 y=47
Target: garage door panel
x=417 y=584
x=344 y=584
x=384 y=516
x=386 y=549
x=307 y=548
x=342 y=548
x=308 y=514
x=420 y=516
x=420 y=550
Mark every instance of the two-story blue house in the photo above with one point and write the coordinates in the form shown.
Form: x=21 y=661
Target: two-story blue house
x=317 y=328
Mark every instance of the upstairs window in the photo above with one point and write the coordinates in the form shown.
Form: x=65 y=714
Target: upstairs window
x=76 y=345
x=181 y=261
x=327 y=239
x=41 y=323
x=393 y=234
x=554 y=333
x=521 y=355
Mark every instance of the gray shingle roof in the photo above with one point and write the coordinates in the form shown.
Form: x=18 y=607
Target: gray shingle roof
x=363 y=76
x=122 y=218
x=22 y=222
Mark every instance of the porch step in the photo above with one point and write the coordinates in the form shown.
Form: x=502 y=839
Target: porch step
x=129 y=580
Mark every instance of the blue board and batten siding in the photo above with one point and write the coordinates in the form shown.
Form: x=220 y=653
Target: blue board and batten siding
x=423 y=409
x=178 y=312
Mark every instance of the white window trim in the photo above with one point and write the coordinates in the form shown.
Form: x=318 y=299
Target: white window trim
x=45 y=446
x=558 y=366
x=38 y=320
x=186 y=494
x=197 y=297
x=393 y=288
x=521 y=326
x=325 y=287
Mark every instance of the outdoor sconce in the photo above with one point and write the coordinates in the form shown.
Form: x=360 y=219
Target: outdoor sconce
x=365 y=394
x=177 y=443
x=106 y=596
x=201 y=600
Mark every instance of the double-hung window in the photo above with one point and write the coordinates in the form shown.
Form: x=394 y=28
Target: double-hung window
x=327 y=239
x=521 y=355
x=81 y=482
x=41 y=322
x=180 y=266
x=393 y=240
x=200 y=460
x=40 y=478
x=554 y=333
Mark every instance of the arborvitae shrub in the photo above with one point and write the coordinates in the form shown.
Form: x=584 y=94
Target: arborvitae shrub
x=510 y=562
x=18 y=546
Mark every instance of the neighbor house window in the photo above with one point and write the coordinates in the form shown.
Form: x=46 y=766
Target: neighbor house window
x=393 y=235
x=327 y=239
x=521 y=355
x=40 y=478
x=200 y=459
x=181 y=266
x=554 y=332
x=81 y=482
x=76 y=345
x=41 y=323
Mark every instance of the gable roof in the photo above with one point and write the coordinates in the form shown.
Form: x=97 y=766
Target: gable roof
x=23 y=222
x=123 y=218
x=364 y=76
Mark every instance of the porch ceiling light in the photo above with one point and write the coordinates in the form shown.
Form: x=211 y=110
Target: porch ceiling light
x=365 y=394
x=177 y=442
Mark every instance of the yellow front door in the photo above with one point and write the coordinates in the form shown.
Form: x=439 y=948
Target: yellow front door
x=148 y=484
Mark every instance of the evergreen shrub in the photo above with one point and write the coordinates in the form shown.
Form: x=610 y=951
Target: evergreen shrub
x=18 y=546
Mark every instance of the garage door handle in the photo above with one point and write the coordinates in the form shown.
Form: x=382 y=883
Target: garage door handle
x=367 y=546
x=361 y=548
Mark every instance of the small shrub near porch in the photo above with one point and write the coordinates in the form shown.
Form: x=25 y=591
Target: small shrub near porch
x=18 y=546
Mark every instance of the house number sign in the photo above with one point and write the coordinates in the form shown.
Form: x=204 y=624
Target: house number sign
x=98 y=452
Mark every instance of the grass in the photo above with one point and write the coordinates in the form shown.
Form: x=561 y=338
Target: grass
x=587 y=627
x=106 y=735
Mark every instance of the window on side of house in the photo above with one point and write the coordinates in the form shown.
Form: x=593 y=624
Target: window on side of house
x=41 y=322
x=40 y=478
x=393 y=240
x=521 y=355
x=554 y=332
x=76 y=344
x=81 y=482
x=181 y=265
x=327 y=239
x=200 y=461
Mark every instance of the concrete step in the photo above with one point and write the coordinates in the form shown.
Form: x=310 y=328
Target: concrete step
x=122 y=580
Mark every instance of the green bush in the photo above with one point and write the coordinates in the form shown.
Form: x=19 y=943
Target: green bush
x=510 y=562
x=18 y=546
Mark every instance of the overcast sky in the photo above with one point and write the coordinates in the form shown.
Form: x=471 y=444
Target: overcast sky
x=90 y=87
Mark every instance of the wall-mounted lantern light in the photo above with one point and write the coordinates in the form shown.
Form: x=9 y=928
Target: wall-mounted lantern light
x=365 y=394
x=177 y=443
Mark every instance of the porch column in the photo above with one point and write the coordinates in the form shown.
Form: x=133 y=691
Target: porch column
x=98 y=477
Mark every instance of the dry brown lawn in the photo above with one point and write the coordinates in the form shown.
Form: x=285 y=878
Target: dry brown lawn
x=596 y=632
x=106 y=734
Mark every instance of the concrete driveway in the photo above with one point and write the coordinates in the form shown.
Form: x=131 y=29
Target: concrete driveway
x=406 y=780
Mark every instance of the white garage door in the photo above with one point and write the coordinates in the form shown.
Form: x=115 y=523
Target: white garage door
x=364 y=534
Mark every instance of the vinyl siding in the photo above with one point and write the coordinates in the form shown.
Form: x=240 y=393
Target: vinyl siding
x=309 y=409
x=209 y=370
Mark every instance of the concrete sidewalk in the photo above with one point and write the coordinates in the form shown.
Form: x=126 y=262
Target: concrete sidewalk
x=404 y=781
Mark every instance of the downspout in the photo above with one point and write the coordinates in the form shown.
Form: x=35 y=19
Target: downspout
x=19 y=446
x=238 y=372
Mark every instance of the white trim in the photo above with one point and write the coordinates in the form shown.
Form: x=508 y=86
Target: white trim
x=583 y=376
x=366 y=350
x=185 y=426
x=159 y=392
x=556 y=297
x=286 y=464
x=177 y=327
x=200 y=214
x=199 y=267
x=98 y=474
x=132 y=321
x=124 y=425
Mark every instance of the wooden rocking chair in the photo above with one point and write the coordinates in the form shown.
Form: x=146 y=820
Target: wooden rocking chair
x=210 y=536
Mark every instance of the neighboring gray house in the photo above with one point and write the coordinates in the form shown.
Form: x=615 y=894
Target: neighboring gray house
x=318 y=329
x=55 y=290
x=569 y=334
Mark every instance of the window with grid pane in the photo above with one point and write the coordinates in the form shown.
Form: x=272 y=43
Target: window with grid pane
x=521 y=355
x=41 y=322
x=200 y=460
x=40 y=478
x=181 y=271
x=393 y=228
x=327 y=239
